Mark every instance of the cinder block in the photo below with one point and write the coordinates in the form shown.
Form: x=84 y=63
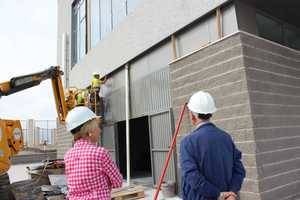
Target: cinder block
x=281 y=192
x=255 y=74
x=266 y=98
x=280 y=167
x=257 y=63
x=264 y=44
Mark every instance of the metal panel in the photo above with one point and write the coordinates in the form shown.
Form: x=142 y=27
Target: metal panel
x=229 y=20
x=196 y=36
x=160 y=126
x=116 y=105
x=108 y=141
x=115 y=110
x=150 y=94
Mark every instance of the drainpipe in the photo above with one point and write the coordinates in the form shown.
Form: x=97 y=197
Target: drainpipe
x=127 y=114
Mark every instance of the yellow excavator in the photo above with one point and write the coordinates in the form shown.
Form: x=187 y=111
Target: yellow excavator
x=11 y=136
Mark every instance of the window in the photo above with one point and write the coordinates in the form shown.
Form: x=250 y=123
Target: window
x=119 y=11
x=278 y=31
x=95 y=22
x=105 y=17
x=78 y=30
x=269 y=28
x=292 y=37
x=131 y=4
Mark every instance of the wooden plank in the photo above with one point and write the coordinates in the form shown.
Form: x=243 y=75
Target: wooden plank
x=128 y=193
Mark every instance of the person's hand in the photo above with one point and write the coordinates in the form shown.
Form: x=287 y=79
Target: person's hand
x=226 y=195
x=231 y=197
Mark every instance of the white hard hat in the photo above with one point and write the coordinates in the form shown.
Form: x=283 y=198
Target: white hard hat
x=202 y=103
x=78 y=116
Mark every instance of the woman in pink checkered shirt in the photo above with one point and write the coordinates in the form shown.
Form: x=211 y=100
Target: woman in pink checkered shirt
x=91 y=173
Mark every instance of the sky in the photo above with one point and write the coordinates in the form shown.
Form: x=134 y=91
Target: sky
x=28 y=43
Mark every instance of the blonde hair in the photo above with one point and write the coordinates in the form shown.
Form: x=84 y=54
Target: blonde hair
x=86 y=128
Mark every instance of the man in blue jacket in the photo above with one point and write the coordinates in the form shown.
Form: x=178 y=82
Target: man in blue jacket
x=210 y=163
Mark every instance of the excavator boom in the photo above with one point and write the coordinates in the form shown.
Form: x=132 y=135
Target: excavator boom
x=20 y=83
x=11 y=137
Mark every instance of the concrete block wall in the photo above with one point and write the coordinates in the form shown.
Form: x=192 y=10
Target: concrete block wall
x=273 y=77
x=64 y=140
x=219 y=69
x=256 y=85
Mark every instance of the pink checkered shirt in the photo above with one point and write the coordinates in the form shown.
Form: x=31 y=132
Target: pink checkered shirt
x=91 y=173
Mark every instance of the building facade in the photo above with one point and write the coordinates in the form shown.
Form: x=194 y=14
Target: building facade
x=244 y=52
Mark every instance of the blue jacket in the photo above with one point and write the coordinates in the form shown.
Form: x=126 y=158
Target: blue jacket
x=210 y=164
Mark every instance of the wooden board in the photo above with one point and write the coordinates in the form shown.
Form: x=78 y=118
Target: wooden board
x=128 y=193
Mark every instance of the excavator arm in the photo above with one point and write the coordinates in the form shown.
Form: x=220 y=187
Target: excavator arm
x=20 y=83
x=11 y=137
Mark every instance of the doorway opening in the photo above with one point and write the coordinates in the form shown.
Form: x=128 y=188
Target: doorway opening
x=140 y=156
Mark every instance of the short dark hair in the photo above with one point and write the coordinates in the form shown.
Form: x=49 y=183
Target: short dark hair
x=204 y=116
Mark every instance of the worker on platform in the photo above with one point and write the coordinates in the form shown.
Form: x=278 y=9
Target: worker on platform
x=90 y=171
x=210 y=163
x=96 y=101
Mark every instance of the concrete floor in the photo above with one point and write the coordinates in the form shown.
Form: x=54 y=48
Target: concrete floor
x=19 y=173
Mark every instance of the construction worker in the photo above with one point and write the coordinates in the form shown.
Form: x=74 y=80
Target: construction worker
x=210 y=163
x=90 y=171
x=80 y=98
x=95 y=99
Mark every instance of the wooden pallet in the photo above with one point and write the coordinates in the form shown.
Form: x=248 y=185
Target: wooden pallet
x=128 y=193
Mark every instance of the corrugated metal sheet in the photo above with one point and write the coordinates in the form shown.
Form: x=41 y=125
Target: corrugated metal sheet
x=116 y=105
x=116 y=99
x=161 y=135
x=150 y=94
x=108 y=140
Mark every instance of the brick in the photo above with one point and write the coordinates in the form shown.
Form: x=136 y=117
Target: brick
x=235 y=123
x=267 y=98
x=249 y=196
x=220 y=62
x=196 y=81
x=275 y=120
x=272 y=109
x=277 y=156
x=255 y=74
x=264 y=44
x=276 y=132
x=254 y=62
x=281 y=192
x=279 y=180
x=280 y=167
x=250 y=185
x=269 y=56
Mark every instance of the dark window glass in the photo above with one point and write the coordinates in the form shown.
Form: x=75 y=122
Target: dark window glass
x=269 y=28
x=292 y=37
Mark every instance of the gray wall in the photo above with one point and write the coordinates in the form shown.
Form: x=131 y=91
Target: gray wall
x=273 y=77
x=219 y=69
x=64 y=140
x=150 y=23
x=256 y=87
